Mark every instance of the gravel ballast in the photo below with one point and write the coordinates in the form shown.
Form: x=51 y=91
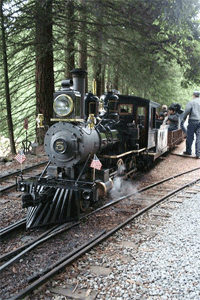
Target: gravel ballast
x=154 y=259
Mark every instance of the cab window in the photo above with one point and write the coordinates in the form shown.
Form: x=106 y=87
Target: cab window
x=113 y=106
x=125 y=109
x=93 y=108
x=141 y=115
x=153 y=118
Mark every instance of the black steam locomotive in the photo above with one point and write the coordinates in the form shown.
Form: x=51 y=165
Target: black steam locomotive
x=119 y=129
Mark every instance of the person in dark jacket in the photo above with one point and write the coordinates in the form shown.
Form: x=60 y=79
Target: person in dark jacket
x=172 y=118
x=178 y=108
x=193 y=110
x=161 y=116
x=180 y=112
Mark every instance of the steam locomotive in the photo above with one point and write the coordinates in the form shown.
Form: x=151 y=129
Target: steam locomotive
x=89 y=141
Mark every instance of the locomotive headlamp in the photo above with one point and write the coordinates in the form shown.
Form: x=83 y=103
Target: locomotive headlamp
x=63 y=105
x=22 y=187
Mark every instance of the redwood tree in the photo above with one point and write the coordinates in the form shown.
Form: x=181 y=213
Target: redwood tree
x=69 y=38
x=82 y=42
x=44 y=63
x=5 y=64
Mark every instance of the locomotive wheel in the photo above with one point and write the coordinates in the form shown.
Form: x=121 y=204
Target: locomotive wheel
x=84 y=205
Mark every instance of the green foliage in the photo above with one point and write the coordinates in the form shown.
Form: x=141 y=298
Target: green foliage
x=21 y=75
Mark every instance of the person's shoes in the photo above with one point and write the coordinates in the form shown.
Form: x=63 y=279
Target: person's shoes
x=186 y=153
x=197 y=156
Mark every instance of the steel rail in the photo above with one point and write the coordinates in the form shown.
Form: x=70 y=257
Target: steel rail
x=12 y=227
x=60 y=265
x=31 y=245
x=16 y=251
x=7 y=188
x=10 y=187
x=22 y=248
x=24 y=170
x=143 y=189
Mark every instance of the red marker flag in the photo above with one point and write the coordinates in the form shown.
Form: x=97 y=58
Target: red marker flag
x=20 y=157
x=96 y=164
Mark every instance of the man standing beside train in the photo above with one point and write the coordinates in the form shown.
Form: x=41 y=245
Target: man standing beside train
x=193 y=110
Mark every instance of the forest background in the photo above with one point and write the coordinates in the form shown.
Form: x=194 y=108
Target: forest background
x=147 y=48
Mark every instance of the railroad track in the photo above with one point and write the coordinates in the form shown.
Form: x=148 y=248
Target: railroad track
x=8 y=181
x=13 y=227
x=96 y=227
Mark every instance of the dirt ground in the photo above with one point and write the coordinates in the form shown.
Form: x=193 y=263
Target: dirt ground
x=172 y=164
x=9 y=163
x=168 y=165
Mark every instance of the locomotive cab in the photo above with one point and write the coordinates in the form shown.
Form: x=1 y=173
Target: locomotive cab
x=140 y=114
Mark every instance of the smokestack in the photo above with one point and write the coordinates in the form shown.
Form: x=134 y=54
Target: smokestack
x=78 y=76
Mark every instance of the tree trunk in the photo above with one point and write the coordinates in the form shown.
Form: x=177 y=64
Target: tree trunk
x=116 y=77
x=44 y=64
x=82 y=47
x=103 y=80
x=98 y=43
x=8 y=101
x=69 y=39
x=97 y=76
